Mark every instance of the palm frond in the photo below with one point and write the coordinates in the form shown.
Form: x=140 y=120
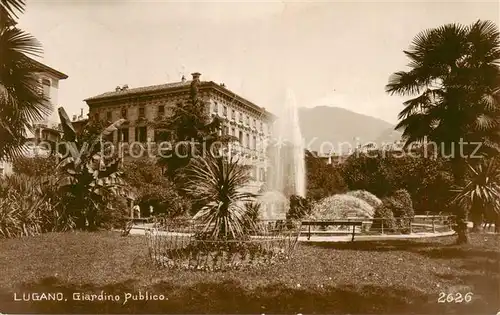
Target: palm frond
x=21 y=101
x=17 y=43
x=482 y=190
x=218 y=182
x=404 y=83
x=10 y=8
x=69 y=133
x=113 y=127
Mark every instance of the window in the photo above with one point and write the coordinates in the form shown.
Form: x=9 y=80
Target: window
x=224 y=112
x=240 y=137
x=254 y=142
x=46 y=88
x=96 y=116
x=123 y=135
x=161 y=110
x=241 y=117
x=262 y=174
x=141 y=134
x=108 y=116
x=247 y=120
x=109 y=138
x=124 y=113
x=141 y=112
x=254 y=123
x=233 y=132
x=261 y=126
x=233 y=114
x=254 y=173
x=248 y=140
x=216 y=108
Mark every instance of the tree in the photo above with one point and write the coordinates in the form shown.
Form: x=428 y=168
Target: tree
x=152 y=188
x=428 y=180
x=191 y=132
x=217 y=182
x=89 y=180
x=21 y=103
x=299 y=208
x=323 y=180
x=455 y=73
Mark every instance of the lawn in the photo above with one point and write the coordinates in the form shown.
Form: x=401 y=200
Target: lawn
x=364 y=278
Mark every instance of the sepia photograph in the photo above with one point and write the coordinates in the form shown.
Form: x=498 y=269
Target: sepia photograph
x=249 y=157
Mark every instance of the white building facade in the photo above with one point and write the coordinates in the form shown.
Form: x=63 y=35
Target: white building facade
x=241 y=118
x=49 y=79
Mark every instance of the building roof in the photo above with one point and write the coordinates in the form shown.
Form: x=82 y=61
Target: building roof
x=44 y=68
x=172 y=86
x=139 y=90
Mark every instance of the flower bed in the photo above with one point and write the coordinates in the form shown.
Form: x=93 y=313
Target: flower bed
x=172 y=248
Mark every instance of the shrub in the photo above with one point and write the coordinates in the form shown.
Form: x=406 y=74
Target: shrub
x=34 y=166
x=401 y=206
x=114 y=213
x=370 y=198
x=383 y=215
x=340 y=207
x=29 y=207
x=299 y=208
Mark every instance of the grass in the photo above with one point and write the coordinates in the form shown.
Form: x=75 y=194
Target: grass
x=363 y=278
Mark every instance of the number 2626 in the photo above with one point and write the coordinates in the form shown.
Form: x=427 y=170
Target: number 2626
x=454 y=297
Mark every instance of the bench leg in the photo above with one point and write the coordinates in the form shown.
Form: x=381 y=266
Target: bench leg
x=309 y=234
x=353 y=231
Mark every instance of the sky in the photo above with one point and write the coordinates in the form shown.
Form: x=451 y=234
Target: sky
x=334 y=53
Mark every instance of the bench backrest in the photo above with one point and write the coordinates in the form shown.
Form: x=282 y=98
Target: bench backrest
x=336 y=222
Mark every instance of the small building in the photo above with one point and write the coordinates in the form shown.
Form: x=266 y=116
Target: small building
x=46 y=129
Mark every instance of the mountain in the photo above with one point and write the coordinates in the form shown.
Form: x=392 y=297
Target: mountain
x=324 y=128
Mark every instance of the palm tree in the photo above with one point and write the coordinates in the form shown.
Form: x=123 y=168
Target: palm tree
x=217 y=183
x=455 y=78
x=21 y=102
x=481 y=193
x=190 y=121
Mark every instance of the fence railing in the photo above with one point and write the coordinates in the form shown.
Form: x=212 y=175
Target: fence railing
x=184 y=244
x=383 y=226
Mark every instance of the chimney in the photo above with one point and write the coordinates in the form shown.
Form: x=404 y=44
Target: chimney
x=223 y=85
x=125 y=87
x=81 y=112
x=183 y=79
x=196 y=76
x=74 y=117
x=118 y=88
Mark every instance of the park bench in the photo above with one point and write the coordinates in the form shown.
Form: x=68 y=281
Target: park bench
x=354 y=224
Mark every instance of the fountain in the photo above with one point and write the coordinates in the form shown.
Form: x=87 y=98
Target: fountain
x=286 y=174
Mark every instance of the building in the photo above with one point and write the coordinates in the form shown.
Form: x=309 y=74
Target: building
x=241 y=118
x=46 y=129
